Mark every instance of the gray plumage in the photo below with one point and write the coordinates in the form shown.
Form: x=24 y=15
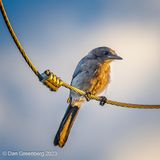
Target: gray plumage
x=92 y=75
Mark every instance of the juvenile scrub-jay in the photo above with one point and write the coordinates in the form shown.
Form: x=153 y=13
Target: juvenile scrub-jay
x=91 y=75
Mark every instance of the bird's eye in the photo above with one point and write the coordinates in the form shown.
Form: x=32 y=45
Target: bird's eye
x=105 y=52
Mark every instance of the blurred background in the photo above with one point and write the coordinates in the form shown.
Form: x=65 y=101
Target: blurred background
x=56 y=34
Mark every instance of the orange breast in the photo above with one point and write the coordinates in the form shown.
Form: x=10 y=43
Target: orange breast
x=101 y=79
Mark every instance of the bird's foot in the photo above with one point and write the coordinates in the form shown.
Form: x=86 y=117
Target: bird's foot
x=103 y=100
x=87 y=96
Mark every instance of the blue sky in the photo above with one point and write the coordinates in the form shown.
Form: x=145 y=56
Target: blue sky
x=56 y=35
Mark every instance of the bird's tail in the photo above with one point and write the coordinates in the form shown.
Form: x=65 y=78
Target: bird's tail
x=65 y=126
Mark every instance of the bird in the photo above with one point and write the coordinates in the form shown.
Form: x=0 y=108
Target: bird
x=91 y=75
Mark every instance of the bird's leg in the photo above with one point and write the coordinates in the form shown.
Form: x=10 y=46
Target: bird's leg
x=87 y=96
x=103 y=100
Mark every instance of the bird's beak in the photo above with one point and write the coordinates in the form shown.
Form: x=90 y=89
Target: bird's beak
x=114 y=57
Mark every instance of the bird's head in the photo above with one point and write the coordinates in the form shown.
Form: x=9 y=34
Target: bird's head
x=104 y=54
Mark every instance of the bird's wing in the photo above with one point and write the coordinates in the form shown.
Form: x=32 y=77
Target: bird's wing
x=86 y=64
x=79 y=67
x=84 y=75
